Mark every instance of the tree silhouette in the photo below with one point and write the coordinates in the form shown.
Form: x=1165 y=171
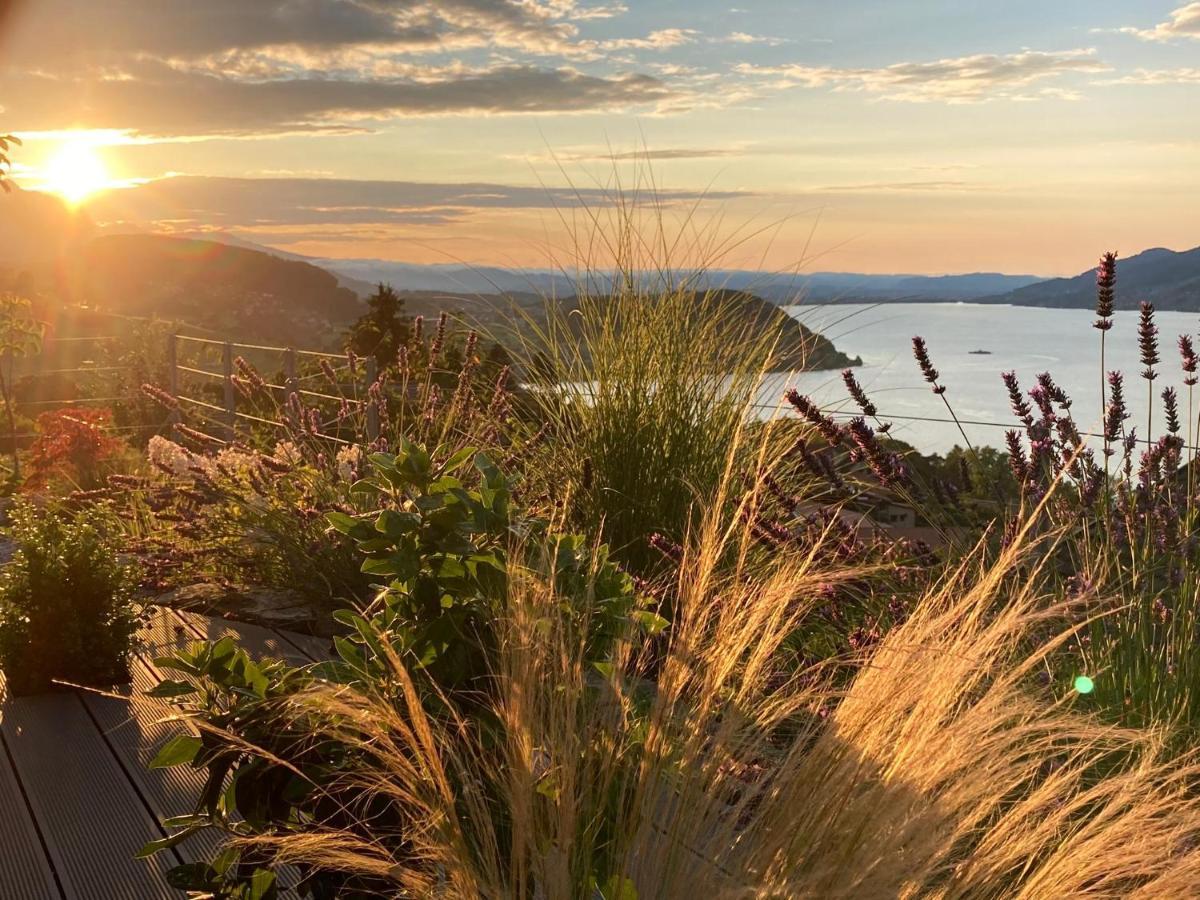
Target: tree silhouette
x=383 y=330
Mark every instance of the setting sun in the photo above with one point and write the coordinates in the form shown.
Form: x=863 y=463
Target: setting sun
x=75 y=172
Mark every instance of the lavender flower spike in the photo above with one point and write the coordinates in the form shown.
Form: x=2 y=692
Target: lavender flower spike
x=1187 y=354
x=1148 y=340
x=921 y=353
x=1106 y=281
x=858 y=394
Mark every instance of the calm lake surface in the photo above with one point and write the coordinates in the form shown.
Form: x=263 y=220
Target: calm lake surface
x=1024 y=339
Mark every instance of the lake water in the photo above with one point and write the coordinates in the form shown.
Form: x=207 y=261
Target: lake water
x=1024 y=339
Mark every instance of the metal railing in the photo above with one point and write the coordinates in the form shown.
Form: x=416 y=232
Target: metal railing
x=71 y=370
x=226 y=415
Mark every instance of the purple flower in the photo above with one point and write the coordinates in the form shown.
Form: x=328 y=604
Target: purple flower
x=921 y=352
x=1016 y=400
x=1106 y=282
x=1116 y=413
x=1017 y=461
x=1041 y=397
x=439 y=340
x=858 y=394
x=1148 y=339
x=812 y=413
x=1187 y=354
x=1171 y=406
x=1053 y=391
x=886 y=466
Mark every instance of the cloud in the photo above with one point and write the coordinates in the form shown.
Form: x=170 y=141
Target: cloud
x=160 y=100
x=676 y=153
x=247 y=67
x=663 y=39
x=964 y=79
x=741 y=37
x=1183 y=22
x=86 y=32
x=1157 y=76
x=189 y=202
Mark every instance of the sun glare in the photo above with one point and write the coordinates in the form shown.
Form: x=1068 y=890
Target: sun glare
x=75 y=172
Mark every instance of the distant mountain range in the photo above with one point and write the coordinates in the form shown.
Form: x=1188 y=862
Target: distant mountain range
x=235 y=289
x=820 y=287
x=225 y=282
x=1168 y=279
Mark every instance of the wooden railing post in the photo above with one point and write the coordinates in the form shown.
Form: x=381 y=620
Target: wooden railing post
x=372 y=373
x=230 y=393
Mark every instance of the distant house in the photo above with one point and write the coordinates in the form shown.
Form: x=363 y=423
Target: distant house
x=894 y=515
x=878 y=514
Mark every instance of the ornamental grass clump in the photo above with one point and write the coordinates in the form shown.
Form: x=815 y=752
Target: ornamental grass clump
x=943 y=769
x=451 y=554
x=644 y=380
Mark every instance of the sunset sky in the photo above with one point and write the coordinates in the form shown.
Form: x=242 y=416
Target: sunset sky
x=867 y=135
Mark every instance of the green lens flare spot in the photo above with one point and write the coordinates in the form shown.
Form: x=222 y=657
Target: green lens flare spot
x=1084 y=685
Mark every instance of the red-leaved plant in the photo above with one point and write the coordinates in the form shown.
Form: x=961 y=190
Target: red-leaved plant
x=72 y=444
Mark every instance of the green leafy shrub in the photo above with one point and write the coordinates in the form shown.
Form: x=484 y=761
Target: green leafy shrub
x=448 y=544
x=252 y=509
x=66 y=602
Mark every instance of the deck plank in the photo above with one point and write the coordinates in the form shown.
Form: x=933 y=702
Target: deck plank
x=24 y=867
x=163 y=632
x=135 y=727
x=92 y=818
x=80 y=759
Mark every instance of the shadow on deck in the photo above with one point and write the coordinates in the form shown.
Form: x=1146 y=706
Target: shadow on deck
x=76 y=799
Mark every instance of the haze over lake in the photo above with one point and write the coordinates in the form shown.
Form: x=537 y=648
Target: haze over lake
x=1025 y=339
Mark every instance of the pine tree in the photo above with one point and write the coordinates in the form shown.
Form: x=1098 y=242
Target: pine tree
x=383 y=329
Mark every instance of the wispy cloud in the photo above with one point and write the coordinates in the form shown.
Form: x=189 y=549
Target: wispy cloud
x=1157 y=76
x=741 y=37
x=188 y=202
x=964 y=79
x=663 y=39
x=1183 y=22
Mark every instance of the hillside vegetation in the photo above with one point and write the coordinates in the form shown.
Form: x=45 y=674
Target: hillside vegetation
x=511 y=317
x=241 y=293
x=1168 y=279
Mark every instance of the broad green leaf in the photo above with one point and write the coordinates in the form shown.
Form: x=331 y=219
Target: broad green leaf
x=178 y=751
x=166 y=843
x=167 y=689
x=340 y=521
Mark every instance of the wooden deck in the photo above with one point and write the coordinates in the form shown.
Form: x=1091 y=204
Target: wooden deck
x=76 y=798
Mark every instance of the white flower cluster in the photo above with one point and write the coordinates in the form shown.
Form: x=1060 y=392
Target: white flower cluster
x=349 y=458
x=183 y=463
x=172 y=457
x=287 y=452
x=236 y=462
